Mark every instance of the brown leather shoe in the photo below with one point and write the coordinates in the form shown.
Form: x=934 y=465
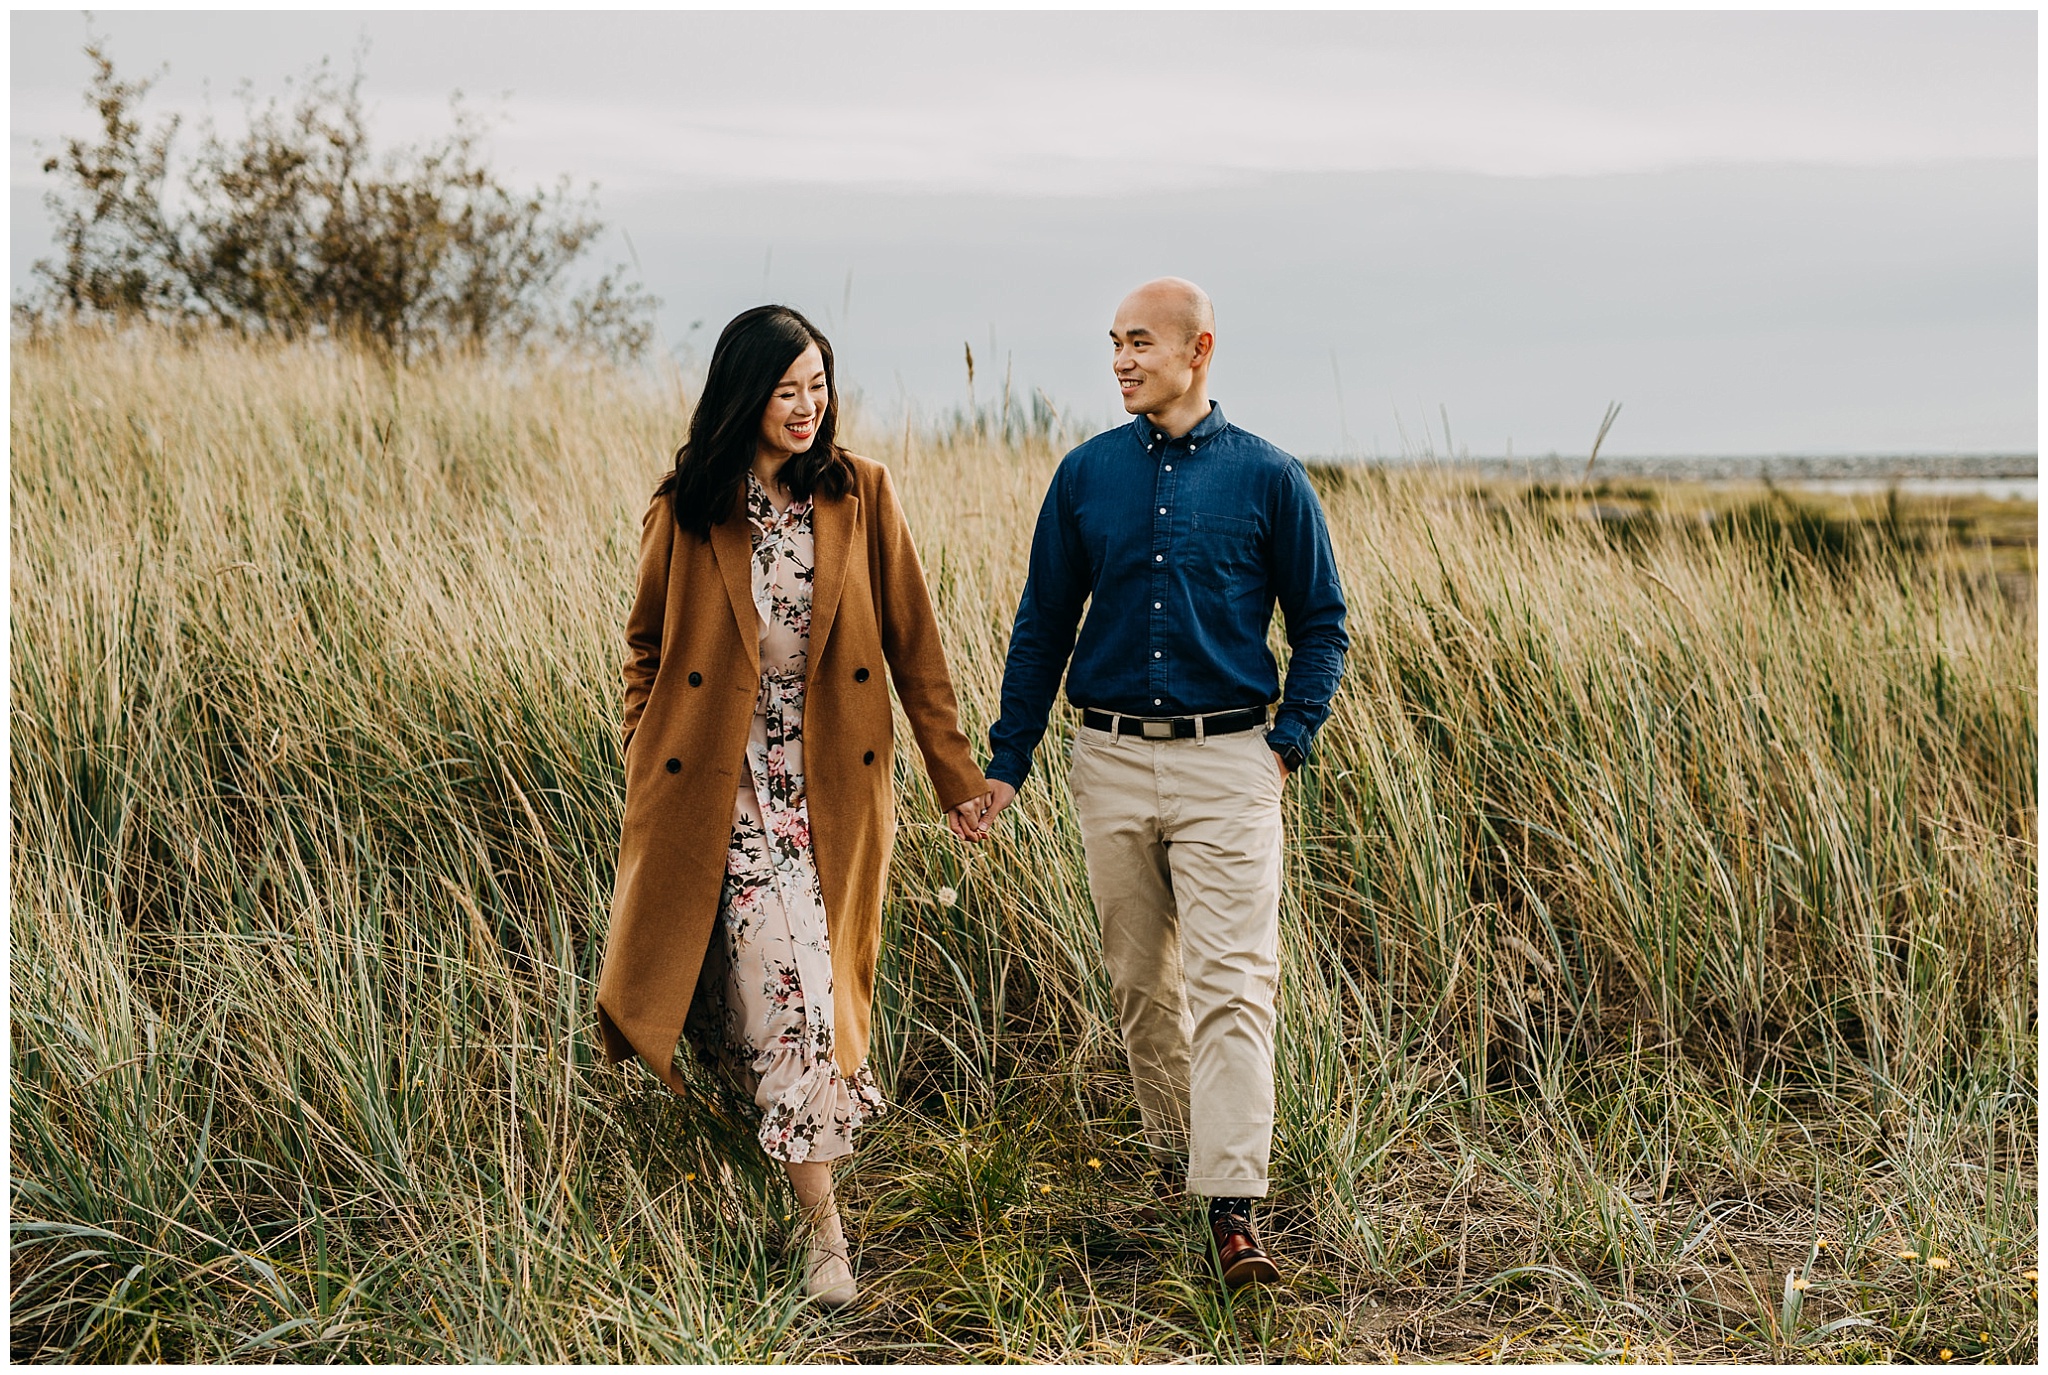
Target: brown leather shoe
x=1240 y=1260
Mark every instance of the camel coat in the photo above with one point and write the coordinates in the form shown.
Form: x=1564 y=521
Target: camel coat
x=692 y=674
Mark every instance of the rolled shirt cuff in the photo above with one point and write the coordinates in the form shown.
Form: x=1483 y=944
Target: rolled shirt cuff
x=1286 y=734
x=1008 y=769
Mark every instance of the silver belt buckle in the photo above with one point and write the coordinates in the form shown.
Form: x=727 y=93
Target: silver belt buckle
x=1156 y=730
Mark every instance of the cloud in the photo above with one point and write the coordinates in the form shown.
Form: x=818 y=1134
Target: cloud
x=1093 y=104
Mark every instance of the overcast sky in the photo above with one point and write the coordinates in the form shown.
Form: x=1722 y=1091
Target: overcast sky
x=1760 y=232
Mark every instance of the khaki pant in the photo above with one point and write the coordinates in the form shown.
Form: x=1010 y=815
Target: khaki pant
x=1183 y=847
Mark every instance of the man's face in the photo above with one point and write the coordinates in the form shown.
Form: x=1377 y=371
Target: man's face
x=1153 y=358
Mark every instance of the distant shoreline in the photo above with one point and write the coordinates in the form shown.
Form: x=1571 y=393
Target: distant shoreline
x=1723 y=468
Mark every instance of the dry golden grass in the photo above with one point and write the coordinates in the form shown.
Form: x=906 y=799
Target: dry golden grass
x=1660 y=909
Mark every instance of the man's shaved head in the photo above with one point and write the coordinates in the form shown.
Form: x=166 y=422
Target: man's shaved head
x=1175 y=301
x=1164 y=335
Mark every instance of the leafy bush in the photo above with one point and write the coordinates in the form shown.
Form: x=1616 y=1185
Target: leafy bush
x=300 y=229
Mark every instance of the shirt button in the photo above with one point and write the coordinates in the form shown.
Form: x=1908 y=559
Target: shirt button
x=1155 y=653
x=1155 y=701
x=1155 y=606
x=1159 y=558
x=1169 y=467
x=1162 y=510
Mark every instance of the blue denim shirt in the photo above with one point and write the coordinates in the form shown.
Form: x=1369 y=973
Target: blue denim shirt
x=1184 y=545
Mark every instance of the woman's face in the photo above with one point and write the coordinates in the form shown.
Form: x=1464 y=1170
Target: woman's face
x=794 y=408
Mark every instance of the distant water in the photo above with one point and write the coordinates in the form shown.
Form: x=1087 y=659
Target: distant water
x=2005 y=477
x=1995 y=488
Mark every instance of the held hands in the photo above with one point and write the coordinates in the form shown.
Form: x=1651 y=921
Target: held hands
x=967 y=822
x=1000 y=796
x=973 y=820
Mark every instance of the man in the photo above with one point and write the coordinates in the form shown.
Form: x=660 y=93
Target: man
x=1182 y=531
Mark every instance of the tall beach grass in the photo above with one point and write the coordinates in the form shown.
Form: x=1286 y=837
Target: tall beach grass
x=1658 y=947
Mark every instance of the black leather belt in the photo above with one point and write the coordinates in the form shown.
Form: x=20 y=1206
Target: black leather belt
x=1175 y=727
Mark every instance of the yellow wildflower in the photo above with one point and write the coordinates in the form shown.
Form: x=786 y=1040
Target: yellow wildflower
x=1802 y=1284
x=2031 y=1276
x=1045 y=1188
x=1093 y=1163
x=1946 y=1353
x=1909 y=1255
x=689 y=1179
x=1937 y=1262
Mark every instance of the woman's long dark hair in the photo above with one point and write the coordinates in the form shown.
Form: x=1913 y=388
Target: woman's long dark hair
x=752 y=354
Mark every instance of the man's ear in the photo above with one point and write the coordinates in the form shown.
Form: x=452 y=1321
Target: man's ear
x=1205 y=344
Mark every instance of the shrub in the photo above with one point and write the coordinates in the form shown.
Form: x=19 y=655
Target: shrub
x=299 y=228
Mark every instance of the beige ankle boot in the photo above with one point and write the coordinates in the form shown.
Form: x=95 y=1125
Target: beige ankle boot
x=828 y=1277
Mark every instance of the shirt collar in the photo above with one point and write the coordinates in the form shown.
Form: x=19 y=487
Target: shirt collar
x=1209 y=426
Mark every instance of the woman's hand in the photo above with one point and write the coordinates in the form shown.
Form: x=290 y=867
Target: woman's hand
x=965 y=820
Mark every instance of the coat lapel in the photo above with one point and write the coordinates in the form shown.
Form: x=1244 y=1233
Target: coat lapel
x=833 y=523
x=732 y=546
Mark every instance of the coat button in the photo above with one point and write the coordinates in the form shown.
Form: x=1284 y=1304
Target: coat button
x=696 y=680
x=868 y=758
x=860 y=675
x=675 y=766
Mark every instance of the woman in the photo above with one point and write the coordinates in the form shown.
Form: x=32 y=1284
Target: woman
x=777 y=581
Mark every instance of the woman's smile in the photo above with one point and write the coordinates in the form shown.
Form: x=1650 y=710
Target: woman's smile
x=796 y=408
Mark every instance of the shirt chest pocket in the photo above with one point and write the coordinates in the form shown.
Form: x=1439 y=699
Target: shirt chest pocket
x=1227 y=551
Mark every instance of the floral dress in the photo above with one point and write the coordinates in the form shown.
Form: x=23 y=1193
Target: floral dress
x=777 y=999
